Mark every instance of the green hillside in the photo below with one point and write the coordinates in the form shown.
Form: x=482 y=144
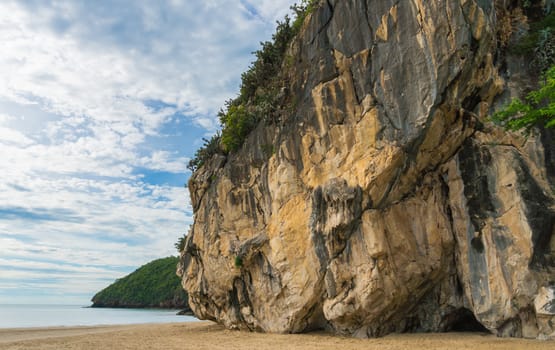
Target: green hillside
x=152 y=285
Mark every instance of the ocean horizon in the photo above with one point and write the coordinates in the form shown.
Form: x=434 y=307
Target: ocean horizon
x=48 y=315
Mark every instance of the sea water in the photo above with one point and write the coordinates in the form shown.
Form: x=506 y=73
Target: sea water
x=22 y=316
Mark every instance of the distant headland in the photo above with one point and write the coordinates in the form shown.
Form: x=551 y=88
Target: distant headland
x=154 y=285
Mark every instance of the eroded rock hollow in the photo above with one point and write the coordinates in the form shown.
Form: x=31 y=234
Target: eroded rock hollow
x=389 y=202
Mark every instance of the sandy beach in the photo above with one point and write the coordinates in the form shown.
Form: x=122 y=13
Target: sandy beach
x=209 y=336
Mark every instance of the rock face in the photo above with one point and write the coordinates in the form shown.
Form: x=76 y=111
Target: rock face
x=389 y=203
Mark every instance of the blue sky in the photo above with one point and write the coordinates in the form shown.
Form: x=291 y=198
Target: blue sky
x=102 y=103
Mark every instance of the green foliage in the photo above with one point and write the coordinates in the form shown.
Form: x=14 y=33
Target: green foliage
x=303 y=9
x=238 y=261
x=268 y=62
x=209 y=148
x=180 y=244
x=260 y=91
x=534 y=40
x=237 y=122
x=268 y=150
x=152 y=285
x=538 y=108
x=544 y=53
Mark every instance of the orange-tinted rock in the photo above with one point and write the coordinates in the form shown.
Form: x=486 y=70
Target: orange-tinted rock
x=390 y=204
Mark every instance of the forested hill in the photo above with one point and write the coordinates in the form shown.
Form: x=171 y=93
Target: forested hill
x=152 y=285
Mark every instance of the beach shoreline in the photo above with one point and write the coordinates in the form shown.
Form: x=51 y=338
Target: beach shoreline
x=8 y=335
x=208 y=335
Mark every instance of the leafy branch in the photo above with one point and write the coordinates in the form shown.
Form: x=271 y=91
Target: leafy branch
x=537 y=109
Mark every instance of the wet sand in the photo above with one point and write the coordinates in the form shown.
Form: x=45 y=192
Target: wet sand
x=209 y=336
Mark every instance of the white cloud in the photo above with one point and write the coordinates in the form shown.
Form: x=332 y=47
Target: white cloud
x=5 y=118
x=163 y=160
x=271 y=10
x=90 y=96
x=14 y=137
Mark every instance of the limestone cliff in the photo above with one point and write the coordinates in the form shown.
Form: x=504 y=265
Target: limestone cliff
x=389 y=203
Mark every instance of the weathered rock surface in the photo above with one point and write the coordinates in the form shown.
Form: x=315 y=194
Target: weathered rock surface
x=390 y=203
